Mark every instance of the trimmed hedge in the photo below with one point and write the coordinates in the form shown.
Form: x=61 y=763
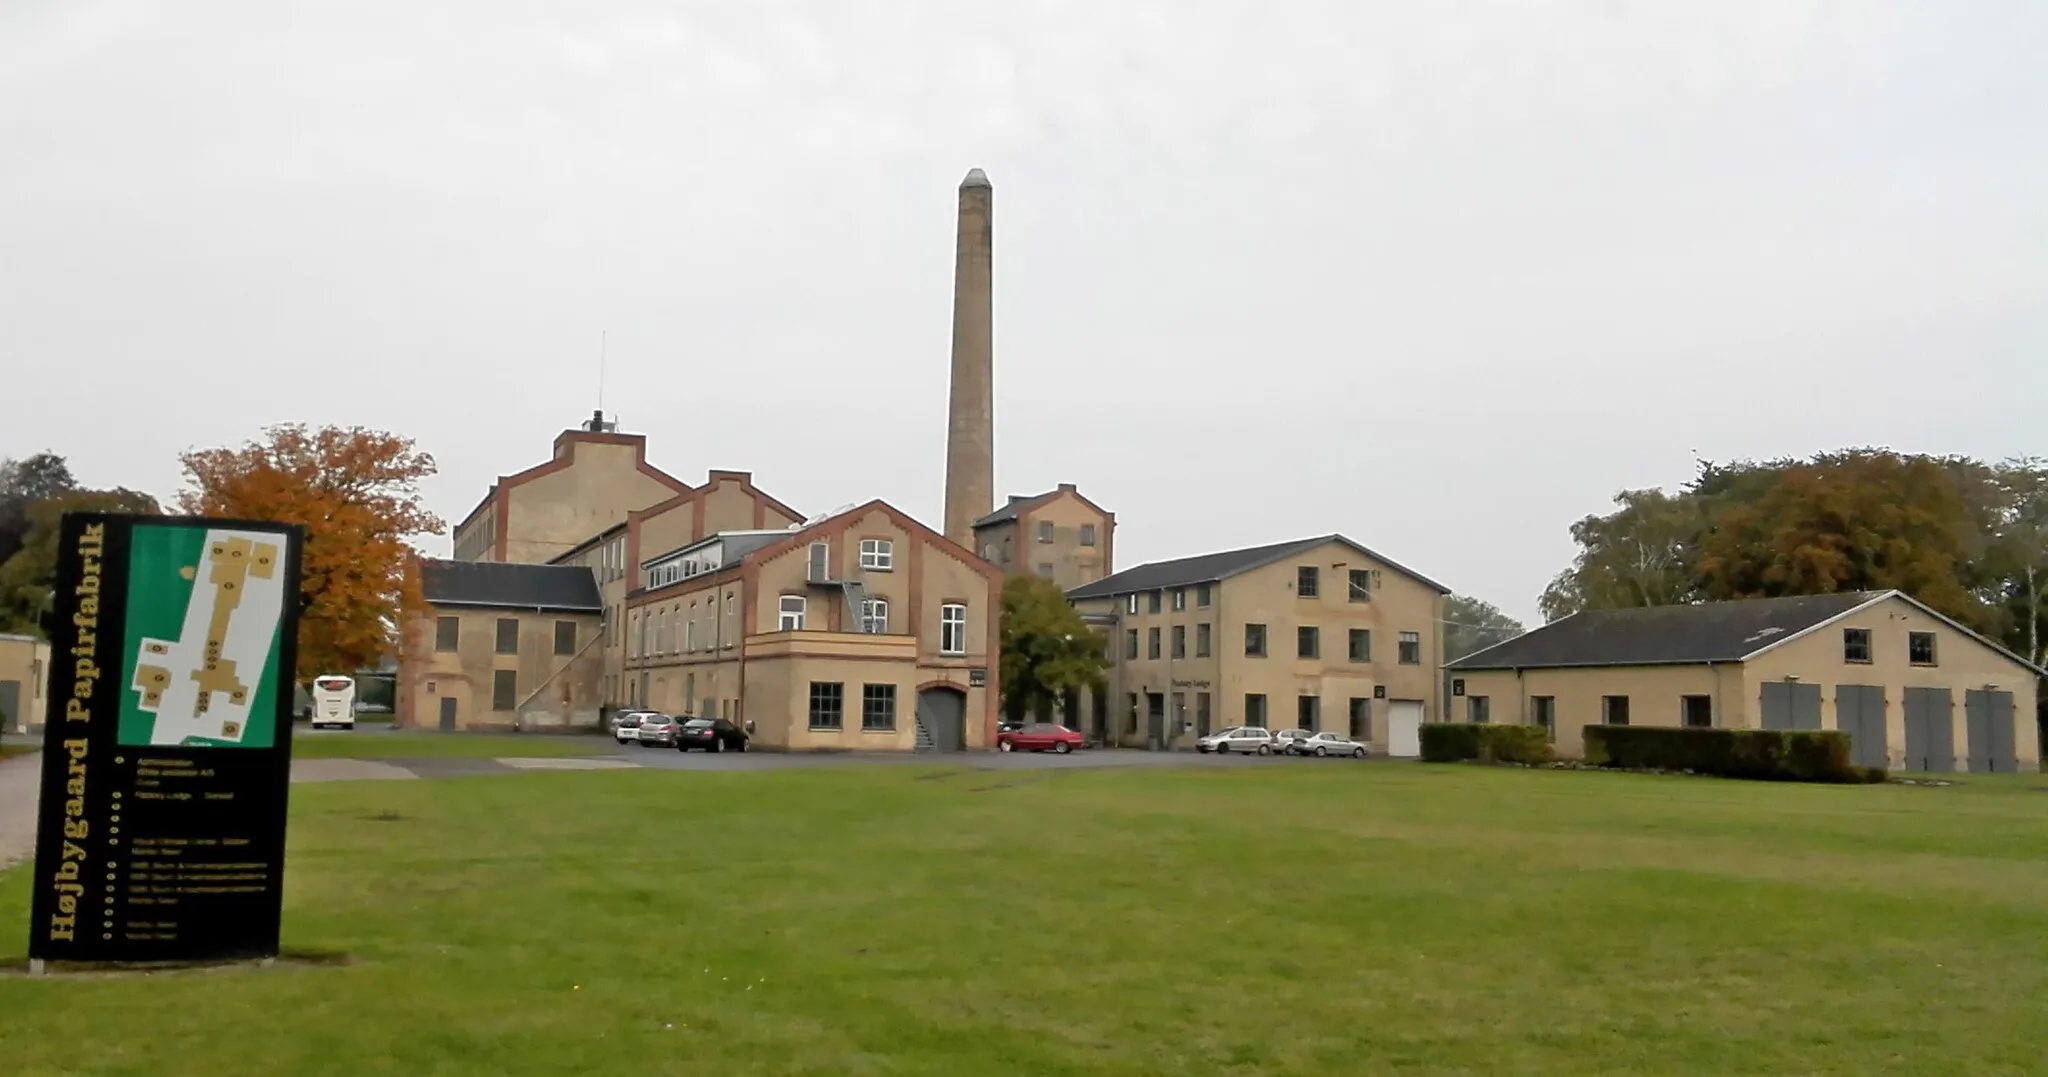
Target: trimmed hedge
x=1755 y=754
x=1453 y=742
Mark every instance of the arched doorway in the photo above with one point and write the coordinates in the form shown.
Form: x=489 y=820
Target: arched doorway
x=941 y=719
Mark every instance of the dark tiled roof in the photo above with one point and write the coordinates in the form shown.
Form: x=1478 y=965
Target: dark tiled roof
x=1009 y=511
x=1215 y=566
x=513 y=586
x=1666 y=635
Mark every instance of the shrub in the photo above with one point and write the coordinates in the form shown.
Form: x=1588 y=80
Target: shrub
x=1756 y=754
x=1452 y=742
x=1449 y=742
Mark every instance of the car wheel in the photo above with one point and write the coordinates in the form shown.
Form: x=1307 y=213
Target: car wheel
x=1321 y=751
x=717 y=745
x=1004 y=746
x=1223 y=749
x=743 y=745
x=1265 y=749
x=1358 y=753
x=1062 y=748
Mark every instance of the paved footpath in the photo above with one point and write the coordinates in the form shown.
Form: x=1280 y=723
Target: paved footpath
x=19 y=778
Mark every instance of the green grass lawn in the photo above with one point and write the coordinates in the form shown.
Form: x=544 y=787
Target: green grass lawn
x=1344 y=919
x=330 y=745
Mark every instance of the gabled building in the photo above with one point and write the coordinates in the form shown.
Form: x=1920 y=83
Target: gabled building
x=1914 y=689
x=596 y=476
x=862 y=630
x=728 y=501
x=1318 y=633
x=502 y=646
x=1058 y=534
x=24 y=677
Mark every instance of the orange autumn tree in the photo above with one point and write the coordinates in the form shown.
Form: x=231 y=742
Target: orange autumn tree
x=356 y=492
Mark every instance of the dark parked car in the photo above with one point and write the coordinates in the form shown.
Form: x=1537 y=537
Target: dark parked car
x=1039 y=737
x=711 y=735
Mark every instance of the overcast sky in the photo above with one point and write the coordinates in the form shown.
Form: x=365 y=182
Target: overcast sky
x=1441 y=277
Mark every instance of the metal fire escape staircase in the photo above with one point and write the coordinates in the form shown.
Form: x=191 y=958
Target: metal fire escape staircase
x=852 y=589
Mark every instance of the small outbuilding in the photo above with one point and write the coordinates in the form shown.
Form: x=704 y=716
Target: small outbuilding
x=1914 y=689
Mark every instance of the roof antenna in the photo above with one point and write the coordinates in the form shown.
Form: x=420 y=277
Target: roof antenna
x=603 y=339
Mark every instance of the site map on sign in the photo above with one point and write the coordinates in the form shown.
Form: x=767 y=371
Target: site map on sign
x=201 y=648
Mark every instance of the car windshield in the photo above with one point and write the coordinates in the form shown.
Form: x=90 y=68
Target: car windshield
x=699 y=723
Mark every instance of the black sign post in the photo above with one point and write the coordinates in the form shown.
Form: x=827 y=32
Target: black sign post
x=167 y=746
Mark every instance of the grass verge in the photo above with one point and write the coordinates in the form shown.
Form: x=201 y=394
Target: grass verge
x=1213 y=920
x=351 y=745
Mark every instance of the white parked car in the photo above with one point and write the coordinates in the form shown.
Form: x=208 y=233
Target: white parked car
x=1328 y=744
x=1245 y=738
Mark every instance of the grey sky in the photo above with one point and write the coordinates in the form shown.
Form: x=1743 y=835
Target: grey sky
x=1441 y=277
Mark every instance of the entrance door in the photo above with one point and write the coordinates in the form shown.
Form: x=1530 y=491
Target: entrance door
x=1930 y=730
x=1155 y=721
x=447 y=714
x=1791 y=705
x=1859 y=712
x=1404 y=729
x=942 y=719
x=10 y=707
x=1988 y=719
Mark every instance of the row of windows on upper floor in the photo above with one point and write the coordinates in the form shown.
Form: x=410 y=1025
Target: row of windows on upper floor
x=1045 y=532
x=1308 y=583
x=876 y=555
x=1308 y=643
x=1857 y=648
x=448 y=636
x=674 y=630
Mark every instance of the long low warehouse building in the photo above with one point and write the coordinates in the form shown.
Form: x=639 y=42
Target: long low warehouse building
x=1915 y=690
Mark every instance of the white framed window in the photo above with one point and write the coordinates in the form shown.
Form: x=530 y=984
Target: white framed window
x=952 y=628
x=821 y=562
x=791 y=614
x=877 y=554
x=690 y=632
x=1131 y=604
x=874 y=616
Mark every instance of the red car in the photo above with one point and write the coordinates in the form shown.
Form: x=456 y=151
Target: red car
x=1041 y=737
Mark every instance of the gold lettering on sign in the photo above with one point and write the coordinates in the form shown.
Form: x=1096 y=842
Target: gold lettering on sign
x=68 y=883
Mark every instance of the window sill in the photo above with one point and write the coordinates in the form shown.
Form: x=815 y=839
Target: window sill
x=826 y=729
x=1925 y=665
x=877 y=568
x=890 y=730
x=1856 y=662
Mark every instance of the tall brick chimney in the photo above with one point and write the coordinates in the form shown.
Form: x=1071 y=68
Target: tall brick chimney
x=970 y=422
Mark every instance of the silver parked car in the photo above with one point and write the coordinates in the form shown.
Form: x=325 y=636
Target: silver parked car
x=1244 y=738
x=1327 y=744
x=1285 y=740
x=659 y=729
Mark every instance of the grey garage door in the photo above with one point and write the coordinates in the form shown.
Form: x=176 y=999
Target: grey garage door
x=1930 y=730
x=1859 y=712
x=1988 y=718
x=942 y=720
x=1791 y=705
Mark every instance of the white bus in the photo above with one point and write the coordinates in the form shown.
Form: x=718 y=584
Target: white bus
x=334 y=701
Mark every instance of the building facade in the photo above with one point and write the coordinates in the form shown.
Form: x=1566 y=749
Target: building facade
x=865 y=630
x=1321 y=633
x=502 y=646
x=728 y=501
x=594 y=479
x=24 y=678
x=1059 y=535
x=1915 y=690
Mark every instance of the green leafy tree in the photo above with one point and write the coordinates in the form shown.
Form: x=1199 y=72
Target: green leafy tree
x=2016 y=558
x=1637 y=555
x=23 y=483
x=1471 y=624
x=1048 y=650
x=27 y=577
x=1856 y=521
